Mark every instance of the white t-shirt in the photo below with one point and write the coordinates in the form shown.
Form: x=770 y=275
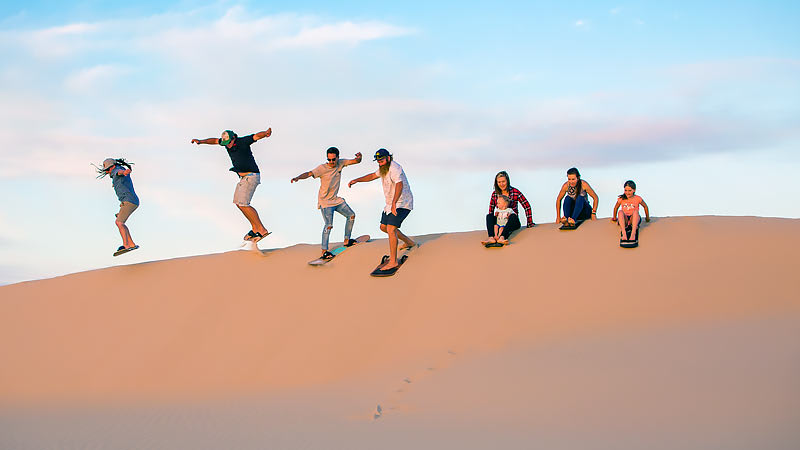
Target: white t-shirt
x=502 y=215
x=394 y=176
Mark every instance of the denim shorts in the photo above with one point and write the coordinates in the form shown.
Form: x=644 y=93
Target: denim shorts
x=245 y=188
x=391 y=219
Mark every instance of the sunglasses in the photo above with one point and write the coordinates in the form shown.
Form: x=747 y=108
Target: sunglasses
x=332 y=159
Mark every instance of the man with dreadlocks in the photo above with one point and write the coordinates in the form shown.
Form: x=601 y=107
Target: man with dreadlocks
x=120 y=172
x=245 y=166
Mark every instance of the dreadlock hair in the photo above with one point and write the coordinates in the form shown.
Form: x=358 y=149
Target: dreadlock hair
x=117 y=162
x=632 y=186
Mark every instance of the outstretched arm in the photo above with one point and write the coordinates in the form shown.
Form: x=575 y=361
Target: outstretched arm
x=214 y=141
x=365 y=178
x=262 y=134
x=616 y=208
x=302 y=176
x=356 y=160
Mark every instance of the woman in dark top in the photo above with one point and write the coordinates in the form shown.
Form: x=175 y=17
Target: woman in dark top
x=575 y=193
x=502 y=186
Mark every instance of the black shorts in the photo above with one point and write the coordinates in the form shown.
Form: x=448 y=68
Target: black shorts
x=391 y=219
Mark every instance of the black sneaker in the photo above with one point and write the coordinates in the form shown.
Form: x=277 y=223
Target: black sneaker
x=350 y=243
x=326 y=256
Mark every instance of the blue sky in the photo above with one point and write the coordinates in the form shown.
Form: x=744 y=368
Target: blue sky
x=696 y=102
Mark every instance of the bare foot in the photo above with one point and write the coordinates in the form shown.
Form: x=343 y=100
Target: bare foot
x=491 y=240
x=503 y=240
x=406 y=246
x=390 y=265
x=563 y=221
x=571 y=222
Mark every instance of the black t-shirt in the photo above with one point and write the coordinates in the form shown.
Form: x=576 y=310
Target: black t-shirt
x=242 y=156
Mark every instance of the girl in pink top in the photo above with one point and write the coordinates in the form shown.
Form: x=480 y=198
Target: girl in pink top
x=626 y=211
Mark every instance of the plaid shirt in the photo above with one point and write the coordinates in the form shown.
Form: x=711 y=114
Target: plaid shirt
x=516 y=196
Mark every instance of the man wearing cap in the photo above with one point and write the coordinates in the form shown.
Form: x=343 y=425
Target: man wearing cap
x=399 y=202
x=249 y=176
x=330 y=177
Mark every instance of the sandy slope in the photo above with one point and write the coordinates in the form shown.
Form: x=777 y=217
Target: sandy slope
x=562 y=338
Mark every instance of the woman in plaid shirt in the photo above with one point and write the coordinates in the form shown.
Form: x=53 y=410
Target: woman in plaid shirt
x=502 y=186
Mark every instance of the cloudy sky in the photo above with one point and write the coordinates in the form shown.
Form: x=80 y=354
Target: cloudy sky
x=700 y=104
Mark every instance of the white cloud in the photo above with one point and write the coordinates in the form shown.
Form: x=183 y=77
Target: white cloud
x=344 y=32
x=580 y=23
x=89 y=78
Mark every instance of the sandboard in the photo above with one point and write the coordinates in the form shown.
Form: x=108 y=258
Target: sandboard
x=125 y=250
x=567 y=227
x=338 y=250
x=494 y=245
x=630 y=243
x=387 y=273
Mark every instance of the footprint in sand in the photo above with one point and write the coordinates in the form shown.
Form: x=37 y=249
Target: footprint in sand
x=397 y=393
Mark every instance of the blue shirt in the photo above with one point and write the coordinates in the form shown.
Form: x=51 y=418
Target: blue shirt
x=123 y=186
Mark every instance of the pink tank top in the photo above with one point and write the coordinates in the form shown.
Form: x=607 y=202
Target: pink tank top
x=630 y=205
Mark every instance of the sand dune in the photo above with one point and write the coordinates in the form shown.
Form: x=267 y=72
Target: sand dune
x=562 y=338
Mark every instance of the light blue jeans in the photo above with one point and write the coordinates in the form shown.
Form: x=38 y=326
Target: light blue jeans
x=327 y=215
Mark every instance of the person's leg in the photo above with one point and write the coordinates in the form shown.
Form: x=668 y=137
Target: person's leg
x=407 y=241
x=581 y=206
x=497 y=230
x=635 y=220
x=398 y=221
x=245 y=189
x=568 y=207
x=622 y=220
x=344 y=209
x=391 y=230
x=251 y=215
x=491 y=221
x=512 y=226
x=500 y=238
x=327 y=217
x=125 y=211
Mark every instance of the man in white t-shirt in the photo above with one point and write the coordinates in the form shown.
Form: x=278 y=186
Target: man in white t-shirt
x=330 y=176
x=399 y=201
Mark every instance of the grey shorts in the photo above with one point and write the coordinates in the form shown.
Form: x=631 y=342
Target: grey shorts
x=125 y=211
x=245 y=189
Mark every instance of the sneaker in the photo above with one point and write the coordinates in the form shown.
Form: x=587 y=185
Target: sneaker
x=326 y=256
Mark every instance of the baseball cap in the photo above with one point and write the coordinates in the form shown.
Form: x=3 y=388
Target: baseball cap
x=227 y=137
x=381 y=153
